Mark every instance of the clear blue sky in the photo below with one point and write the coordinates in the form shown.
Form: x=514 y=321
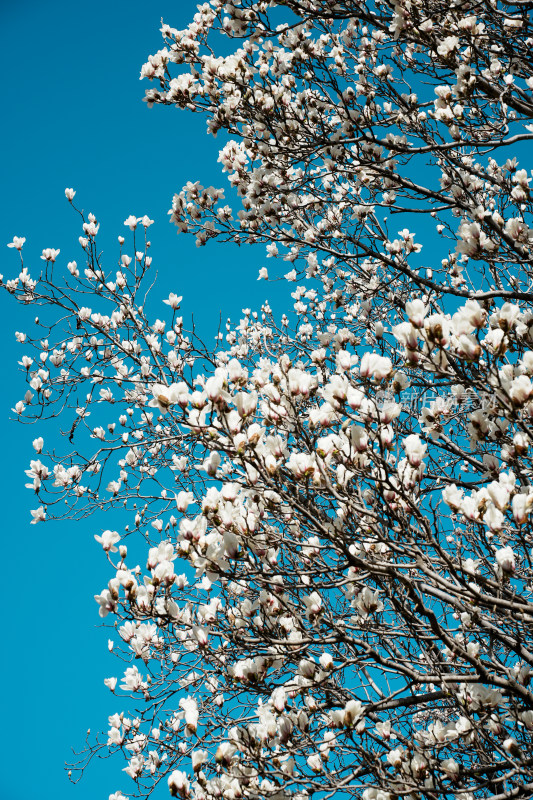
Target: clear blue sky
x=72 y=116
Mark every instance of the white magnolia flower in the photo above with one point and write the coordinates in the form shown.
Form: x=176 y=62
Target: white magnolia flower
x=368 y=602
x=166 y=396
x=108 y=540
x=246 y=403
x=173 y=301
x=315 y=762
x=375 y=366
x=278 y=698
x=106 y=602
x=18 y=242
x=448 y=46
x=131 y=222
x=353 y=711
x=190 y=712
x=49 y=254
x=384 y=729
x=521 y=506
x=415 y=449
x=326 y=661
x=178 y=784
x=493 y=517
x=313 y=604
x=416 y=310
x=499 y=494
x=521 y=390
x=505 y=559
x=395 y=757
x=183 y=500
x=132 y=679
x=39 y=515
x=198 y=757
x=453 y=496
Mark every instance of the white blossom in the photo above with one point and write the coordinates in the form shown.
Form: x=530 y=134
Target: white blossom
x=505 y=558
x=322 y=581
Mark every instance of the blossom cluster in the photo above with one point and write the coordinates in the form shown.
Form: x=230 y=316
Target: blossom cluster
x=335 y=591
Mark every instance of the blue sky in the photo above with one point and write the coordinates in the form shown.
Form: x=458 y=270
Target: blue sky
x=73 y=116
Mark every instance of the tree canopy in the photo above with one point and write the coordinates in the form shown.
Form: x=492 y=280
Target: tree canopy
x=334 y=506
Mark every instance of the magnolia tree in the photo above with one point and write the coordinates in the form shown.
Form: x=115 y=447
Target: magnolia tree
x=336 y=593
